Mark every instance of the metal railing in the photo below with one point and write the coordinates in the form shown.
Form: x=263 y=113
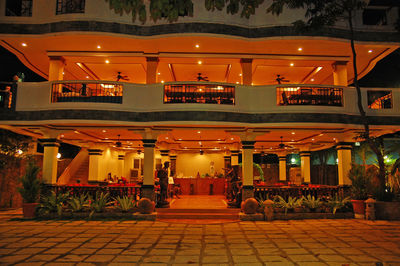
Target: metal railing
x=199 y=93
x=105 y=92
x=379 y=99
x=307 y=95
x=70 y=6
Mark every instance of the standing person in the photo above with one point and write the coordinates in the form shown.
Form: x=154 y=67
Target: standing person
x=162 y=174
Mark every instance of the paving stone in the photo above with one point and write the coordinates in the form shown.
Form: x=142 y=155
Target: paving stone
x=127 y=258
x=58 y=250
x=162 y=259
x=388 y=258
x=72 y=258
x=186 y=259
x=273 y=258
x=244 y=259
x=117 y=245
x=295 y=251
x=334 y=258
x=42 y=257
x=216 y=251
x=100 y=258
x=83 y=251
x=93 y=245
x=155 y=252
x=28 y=251
x=302 y=258
x=5 y=251
x=215 y=259
x=134 y=252
x=111 y=251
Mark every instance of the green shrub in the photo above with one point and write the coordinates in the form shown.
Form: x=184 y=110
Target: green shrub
x=125 y=203
x=53 y=203
x=30 y=184
x=100 y=202
x=361 y=182
x=78 y=203
x=337 y=203
x=290 y=204
x=311 y=202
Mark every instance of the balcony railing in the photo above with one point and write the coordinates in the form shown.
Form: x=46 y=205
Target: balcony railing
x=70 y=6
x=107 y=92
x=199 y=93
x=379 y=99
x=306 y=95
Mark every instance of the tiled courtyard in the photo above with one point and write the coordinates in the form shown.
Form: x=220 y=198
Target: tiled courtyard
x=308 y=242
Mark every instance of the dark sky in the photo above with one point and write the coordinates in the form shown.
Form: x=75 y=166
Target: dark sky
x=385 y=74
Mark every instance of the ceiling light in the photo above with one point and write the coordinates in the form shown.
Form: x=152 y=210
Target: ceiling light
x=312 y=139
x=197 y=46
x=98 y=47
x=291 y=64
x=370 y=51
x=199 y=62
x=179 y=139
x=107 y=61
x=105 y=138
x=292 y=140
x=104 y=131
x=62 y=135
x=24 y=44
x=63 y=73
x=321 y=134
x=58 y=155
x=334 y=138
x=199 y=132
x=312 y=79
x=299 y=49
x=232 y=138
x=158 y=73
x=19 y=152
x=293 y=133
x=76 y=132
x=162 y=81
x=87 y=77
x=240 y=74
x=237 y=82
x=166 y=137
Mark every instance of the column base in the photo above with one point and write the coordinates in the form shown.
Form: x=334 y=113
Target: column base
x=148 y=192
x=247 y=192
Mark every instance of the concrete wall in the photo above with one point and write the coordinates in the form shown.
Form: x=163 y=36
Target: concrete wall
x=189 y=164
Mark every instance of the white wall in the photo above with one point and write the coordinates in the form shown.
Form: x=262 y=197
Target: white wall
x=189 y=164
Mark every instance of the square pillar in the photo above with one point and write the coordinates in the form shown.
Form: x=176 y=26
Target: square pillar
x=56 y=68
x=306 y=166
x=94 y=165
x=121 y=164
x=49 y=171
x=247 y=71
x=340 y=73
x=148 y=171
x=234 y=157
x=344 y=163
x=151 y=71
x=282 y=168
x=247 y=170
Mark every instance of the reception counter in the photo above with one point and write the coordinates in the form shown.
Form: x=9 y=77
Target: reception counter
x=201 y=186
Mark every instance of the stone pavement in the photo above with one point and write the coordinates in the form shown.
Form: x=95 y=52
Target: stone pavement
x=308 y=242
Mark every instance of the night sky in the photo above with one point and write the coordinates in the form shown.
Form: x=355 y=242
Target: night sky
x=385 y=74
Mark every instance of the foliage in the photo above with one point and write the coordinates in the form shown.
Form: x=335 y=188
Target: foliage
x=145 y=206
x=290 y=204
x=135 y=7
x=248 y=6
x=259 y=169
x=125 y=203
x=337 y=203
x=311 y=202
x=30 y=184
x=78 y=203
x=361 y=182
x=170 y=9
x=100 y=202
x=53 y=203
x=10 y=145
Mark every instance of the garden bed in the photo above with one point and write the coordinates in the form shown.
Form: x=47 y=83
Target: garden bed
x=297 y=216
x=99 y=216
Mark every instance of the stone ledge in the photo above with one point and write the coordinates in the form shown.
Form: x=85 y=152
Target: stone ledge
x=103 y=215
x=251 y=217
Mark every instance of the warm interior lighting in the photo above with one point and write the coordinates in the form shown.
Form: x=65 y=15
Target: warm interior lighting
x=312 y=139
x=104 y=131
x=19 y=152
x=197 y=46
x=240 y=74
x=318 y=69
x=24 y=44
x=87 y=77
x=291 y=89
x=300 y=49
x=98 y=47
x=105 y=138
x=62 y=135
x=199 y=132
x=291 y=64
x=162 y=81
x=58 y=155
x=293 y=133
x=237 y=82
x=312 y=79
x=370 y=51
x=199 y=62
x=107 y=61
x=158 y=73
x=107 y=86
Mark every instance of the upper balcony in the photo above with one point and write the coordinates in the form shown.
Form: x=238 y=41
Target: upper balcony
x=195 y=102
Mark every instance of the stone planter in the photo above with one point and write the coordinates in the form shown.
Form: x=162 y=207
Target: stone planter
x=29 y=209
x=387 y=210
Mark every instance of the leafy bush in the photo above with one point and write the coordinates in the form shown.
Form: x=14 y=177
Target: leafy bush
x=30 y=184
x=361 y=182
x=79 y=203
x=53 y=203
x=311 y=202
x=290 y=204
x=125 y=203
x=337 y=203
x=100 y=202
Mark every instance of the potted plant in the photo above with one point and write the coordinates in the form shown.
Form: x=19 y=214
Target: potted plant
x=360 y=188
x=313 y=204
x=30 y=190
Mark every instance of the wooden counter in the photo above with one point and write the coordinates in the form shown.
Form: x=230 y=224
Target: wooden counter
x=201 y=186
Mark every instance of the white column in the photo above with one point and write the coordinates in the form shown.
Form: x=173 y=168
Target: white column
x=247 y=70
x=247 y=169
x=344 y=163
x=148 y=171
x=151 y=71
x=94 y=165
x=306 y=166
x=234 y=157
x=121 y=165
x=340 y=73
x=282 y=168
x=49 y=172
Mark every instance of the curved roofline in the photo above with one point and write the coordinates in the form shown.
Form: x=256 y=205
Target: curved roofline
x=190 y=28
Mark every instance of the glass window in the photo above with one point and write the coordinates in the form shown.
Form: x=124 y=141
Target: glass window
x=379 y=99
x=19 y=8
x=70 y=6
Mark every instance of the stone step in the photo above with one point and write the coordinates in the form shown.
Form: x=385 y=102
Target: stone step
x=201 y=215
x=225 y=211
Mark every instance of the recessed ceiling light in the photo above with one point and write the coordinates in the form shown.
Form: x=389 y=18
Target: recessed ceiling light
x=334 y=138
x=299 y=49
x=162 y=81
x=370 y=51
x=291 y=64
x=107 y=61
x=104 y=130
x=321 y=134
x=179 y=139
x=62 y=135
x=87 y=77
x=105 y=138
x=232 y=138
x=292 y=140
x=312 y=79
x=237 y=82
x=63 y=73
x=312 y=139
x=197 y=46
x=98 y=47
x=293 y=133
x=166 y=137
x=158 y=73
x=24 y=44
x=199 y=62
x=199 y=132
x=240 y=74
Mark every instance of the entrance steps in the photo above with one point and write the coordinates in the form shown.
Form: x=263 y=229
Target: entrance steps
x=198 y=214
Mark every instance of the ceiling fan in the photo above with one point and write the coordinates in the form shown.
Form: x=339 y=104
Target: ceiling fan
x=283 y=145
x=118 y=144
x=201 y=78
x=122 y=77
x=280 y=79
